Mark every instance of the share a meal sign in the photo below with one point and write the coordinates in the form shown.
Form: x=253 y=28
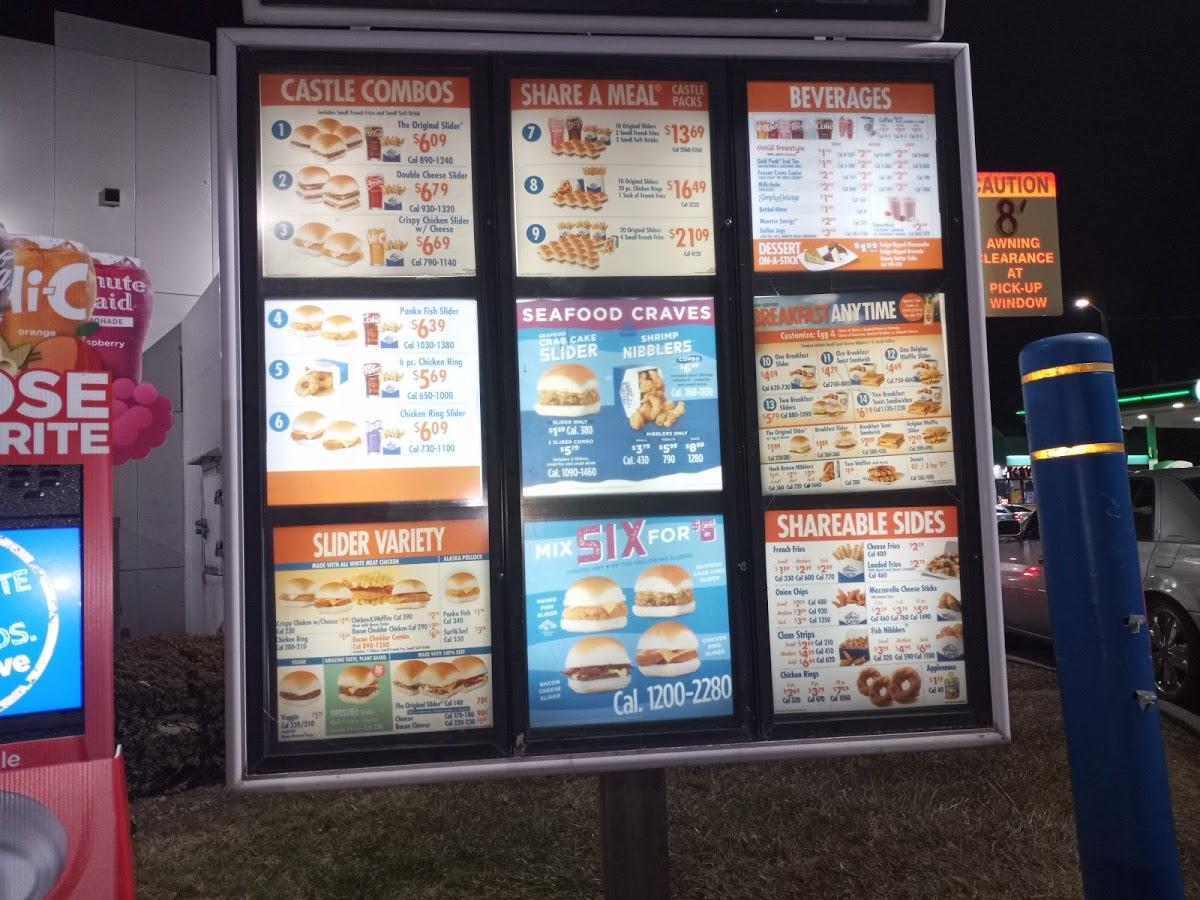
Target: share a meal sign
x=1018 y=224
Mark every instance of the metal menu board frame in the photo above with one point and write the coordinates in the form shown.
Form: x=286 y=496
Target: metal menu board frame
x=749 y=727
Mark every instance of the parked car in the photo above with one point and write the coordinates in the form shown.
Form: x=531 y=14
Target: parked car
x=1166 y=514
x=1020 y=513
x=1003 y=514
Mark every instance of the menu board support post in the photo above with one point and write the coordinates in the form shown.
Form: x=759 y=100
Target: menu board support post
x=633 y=835
x=1123 y=817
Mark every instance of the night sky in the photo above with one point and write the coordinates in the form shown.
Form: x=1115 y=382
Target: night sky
x=1099 y=92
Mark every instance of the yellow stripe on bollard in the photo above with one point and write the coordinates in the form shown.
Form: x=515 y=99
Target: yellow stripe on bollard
x=1072 y=369
x=1078 y=450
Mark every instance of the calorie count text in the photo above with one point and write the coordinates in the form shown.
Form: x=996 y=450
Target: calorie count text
x=673 y=694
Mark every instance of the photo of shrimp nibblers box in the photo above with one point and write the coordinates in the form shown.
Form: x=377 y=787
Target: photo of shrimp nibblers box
x=644 y=399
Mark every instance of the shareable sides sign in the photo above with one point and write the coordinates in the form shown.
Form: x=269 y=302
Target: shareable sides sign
x=1018 y=216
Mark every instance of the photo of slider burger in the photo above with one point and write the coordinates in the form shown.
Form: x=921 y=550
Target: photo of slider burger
x=568 y=389
x=472 y=673
x=439 y=680
x=339 y=329
x=341 y=193
x=310 y=238
x=306 y=320
x=341 y=435
x=299 y=688
x=667 y=650
x=328 y=146
x=799 y=445
x=309 y=426
x=594 y=603
x=370 y=587
x=333 y=595
x=935 y=434
x=409 y=593
x=406 y=678
x=357 y=684
x=342 y=248
x=597 y=664
x=462 y=587
x=296 y=593
x=302 y=136
x=310 y=183
x=662 y=591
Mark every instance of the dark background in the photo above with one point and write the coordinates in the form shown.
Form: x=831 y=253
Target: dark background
x=1100 y=92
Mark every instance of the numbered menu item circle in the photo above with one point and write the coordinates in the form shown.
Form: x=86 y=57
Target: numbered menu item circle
x=366 y=176
x=612 y=177
x=618 y=396
x=627 y=621
x=864 y=609
x=372 y=401
x=843 y=176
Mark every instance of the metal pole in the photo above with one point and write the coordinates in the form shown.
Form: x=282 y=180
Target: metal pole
x=1152 y=440
x=633 y=835
x=1123 y=817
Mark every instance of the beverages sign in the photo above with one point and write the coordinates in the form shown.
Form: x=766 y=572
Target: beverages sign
x=1018 y=216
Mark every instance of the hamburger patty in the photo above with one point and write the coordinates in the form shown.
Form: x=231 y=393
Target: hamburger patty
x=358 y=692
x=470 y=682
x=661 y=598
x=311 y=695
x=656 y=657
x=594 y=673
x=565 y=398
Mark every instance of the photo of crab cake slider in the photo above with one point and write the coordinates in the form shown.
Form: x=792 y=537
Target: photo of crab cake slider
x=439 y=679
x=597 y=664
x=472 y=673
x=594 y=603
x=667 y=650
x=406 y=678
x=357 y=684
x=568 y=389
x=662 y=591
x=409 y=593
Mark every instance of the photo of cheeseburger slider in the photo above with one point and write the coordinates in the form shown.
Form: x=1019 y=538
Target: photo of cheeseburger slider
x=662 y=591
x=357 y=684
x=568 y=389
x=462 y=587
x=306 y=320
x=667 y=650
x=310 y=183
x=341 y=193
x=341 y=435
x=594 y=603
x=799 y=445
x=310 y=238
x=406 y=677
x=370 y=587
x=472 y=673
x=309 y=426
x=439 y=679
x=299 y=687
x=597 y=664
x=333 y=595
x=409 y=593
x=296 y=593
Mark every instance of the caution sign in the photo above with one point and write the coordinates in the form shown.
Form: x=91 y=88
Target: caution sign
x=1018 y=216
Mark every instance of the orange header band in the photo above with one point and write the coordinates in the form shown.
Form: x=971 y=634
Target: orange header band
x=337 y=90
x=1017 y=184
x=870 y=98
x=864 y=523
x=579 y=94
x=379 y=540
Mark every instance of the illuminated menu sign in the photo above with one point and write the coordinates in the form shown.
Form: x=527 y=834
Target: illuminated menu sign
x=853 y=392
x=382 y=628
x=843 y=176
x=612 y=177
x=372 y=401
x=1018 y=224
x=366 y=176
x=865 y=609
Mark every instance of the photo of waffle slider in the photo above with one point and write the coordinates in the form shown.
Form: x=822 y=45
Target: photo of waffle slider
x=927 y=371
x=935 y=434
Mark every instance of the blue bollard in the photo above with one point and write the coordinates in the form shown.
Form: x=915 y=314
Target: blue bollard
x=1123 y=817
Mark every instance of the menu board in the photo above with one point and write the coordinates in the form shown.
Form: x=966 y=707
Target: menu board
x=852 y=392
x=865 y=609
x=372 y=401
x=365 y=175
x=382 y=628
x=627 y=621
x=618 y=396
x=843 y=176
x=612 y=177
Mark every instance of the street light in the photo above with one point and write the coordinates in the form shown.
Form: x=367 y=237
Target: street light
x=1084 y=303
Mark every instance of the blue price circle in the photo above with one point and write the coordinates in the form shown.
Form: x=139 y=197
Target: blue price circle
x=826 y=358
x=769 y=404
x=531 y=132
x=766 y=362
x=534 y=185
x=278 y=369
x=283 y=230
x=535 y=233
x=277 y=318
x=864 y=399
x=891 y=353
x=282 y=180
x=279 y=422
x=281 y=130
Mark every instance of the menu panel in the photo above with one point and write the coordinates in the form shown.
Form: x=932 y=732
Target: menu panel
x=366 y=175
x=372 y=401
x=612 y=177
x=627 y=621
x=618 y=396
x=843 y=176
x=382 y=628
x=852 y=392
x=865 y=609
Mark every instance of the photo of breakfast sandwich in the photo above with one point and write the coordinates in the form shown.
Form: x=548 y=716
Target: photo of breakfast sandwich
x=295 y=593
x=935 y=434
x=341 y=193
x=406 y=677
x=927 y=371
x=333 y=595
x=597 y=664
x=568 y=389
x=370 y=587
x=409 y=593
x=662 y=591
x=300 y=687
x=341 y=435
x=833 y=405
x=884 y=474
x=357 y=684
x=667 y=650
x=309 y=426
x=306 y=320
x=310 y=238
x=799 y=445
x=924 y=407
x=804 y=378
x=594 y=603
x=310 y=183
x=439 y=680
x=462 y=587
x=890 y=440
x=845 y=440
x=872 y=379
x=472 y=673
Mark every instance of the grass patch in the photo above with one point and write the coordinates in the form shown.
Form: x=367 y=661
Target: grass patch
x=991 y=822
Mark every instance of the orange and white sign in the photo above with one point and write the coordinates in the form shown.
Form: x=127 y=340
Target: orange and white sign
x=1018 y=223
x=843 y=176
x=865 y=608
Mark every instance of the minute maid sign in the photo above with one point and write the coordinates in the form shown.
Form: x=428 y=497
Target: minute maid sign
x=41 y=665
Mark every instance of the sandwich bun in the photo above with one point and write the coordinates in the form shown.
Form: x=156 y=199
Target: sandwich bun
x=568 y=378
x=299 y=687
x=666 y=581
x=463 y=587
x=311 y=175
x=333 y=594
x=302 y=135
x=341 y=435
x=439 y=680
x=407 y=676
x=341 y=192
x=594 y=604
x=342 y=248
x=339 y=328
x=409 y=593
x=357 y=684
x=328 y=124
x=296 y=592
x=308 y=426
x=472 y=672
x=593 y=652
x=310 y=238
x=799 y=444
x=350 y=135
x=328 y=146
x=664 y=642
x=306 y=319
